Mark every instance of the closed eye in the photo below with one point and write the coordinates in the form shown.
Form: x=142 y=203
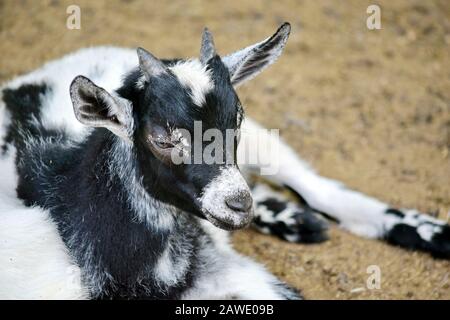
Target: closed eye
x=163 y=144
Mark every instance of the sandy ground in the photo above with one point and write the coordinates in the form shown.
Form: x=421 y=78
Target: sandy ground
x=369 y=108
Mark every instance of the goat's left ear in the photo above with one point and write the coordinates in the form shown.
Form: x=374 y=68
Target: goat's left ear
x=96 y=107
x=245 y=64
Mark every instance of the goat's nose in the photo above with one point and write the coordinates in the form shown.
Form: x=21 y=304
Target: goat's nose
x=240 y=202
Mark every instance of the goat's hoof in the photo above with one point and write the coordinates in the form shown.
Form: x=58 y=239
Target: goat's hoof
x=417 y=231
x=295 y=226
x=310 y=228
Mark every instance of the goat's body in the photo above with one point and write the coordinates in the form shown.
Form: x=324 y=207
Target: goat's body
x=105 y=251
x=68 y=245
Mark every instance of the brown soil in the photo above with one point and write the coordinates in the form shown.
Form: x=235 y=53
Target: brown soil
x=369 y=108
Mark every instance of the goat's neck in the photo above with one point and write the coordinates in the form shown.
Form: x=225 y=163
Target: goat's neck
x=115 y=229
x=124 y=165
x=110 y=170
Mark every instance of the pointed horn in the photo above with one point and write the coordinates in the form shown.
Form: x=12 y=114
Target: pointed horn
x=207 y=50
x=149 y=64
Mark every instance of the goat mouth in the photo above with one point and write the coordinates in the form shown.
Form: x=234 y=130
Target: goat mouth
x=245 y=218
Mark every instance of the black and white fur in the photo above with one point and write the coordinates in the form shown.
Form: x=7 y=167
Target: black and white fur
x=90 y=207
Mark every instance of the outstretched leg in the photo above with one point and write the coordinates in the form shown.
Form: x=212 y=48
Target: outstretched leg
x=354 y=211
x=276 y=214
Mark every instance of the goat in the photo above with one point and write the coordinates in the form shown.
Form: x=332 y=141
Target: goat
x=100 y=211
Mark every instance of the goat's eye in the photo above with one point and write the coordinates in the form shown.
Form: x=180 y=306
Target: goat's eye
x=163 y=144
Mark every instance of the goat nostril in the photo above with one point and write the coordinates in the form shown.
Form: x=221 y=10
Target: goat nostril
x=240 y=202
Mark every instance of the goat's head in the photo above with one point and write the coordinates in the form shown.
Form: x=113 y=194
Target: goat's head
x=161 y=101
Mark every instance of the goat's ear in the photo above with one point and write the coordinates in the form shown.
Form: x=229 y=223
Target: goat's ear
x=149 y=64
x=95 y=107
x=245 y=64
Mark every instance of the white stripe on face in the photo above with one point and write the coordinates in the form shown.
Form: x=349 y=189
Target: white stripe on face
x=193 y=75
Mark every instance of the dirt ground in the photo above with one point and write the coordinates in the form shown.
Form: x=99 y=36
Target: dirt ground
x=369 y=108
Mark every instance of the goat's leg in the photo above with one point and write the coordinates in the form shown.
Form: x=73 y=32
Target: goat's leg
x=354 y=211
x=275 y=214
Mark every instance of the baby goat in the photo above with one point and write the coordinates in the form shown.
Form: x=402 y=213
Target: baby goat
x=105 y=213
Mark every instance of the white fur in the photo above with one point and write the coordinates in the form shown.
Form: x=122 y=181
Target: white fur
x=148 y=208
x=238 y=61
x=425 y=225
x=140 y=82
x=169 y=271
x=356 y=212
x=228 y=183
x=229 y=275
x=105 y=66
x=232 y=276
x=34 y=263
x=262 y=192
x=193 y=75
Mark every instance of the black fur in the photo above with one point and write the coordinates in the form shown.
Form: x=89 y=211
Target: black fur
x=395 y=212
x=164 y=101
x=24 y=105
x=274 y=205
x=307 y=228
x=83 y=187
x=407 y=237
x=97 y=214
x=87 y=199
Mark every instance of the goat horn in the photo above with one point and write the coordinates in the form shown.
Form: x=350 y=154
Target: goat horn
x=207 y=50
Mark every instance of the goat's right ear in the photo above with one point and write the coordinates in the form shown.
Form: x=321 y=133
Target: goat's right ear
x=96 y=107
x=245 y=64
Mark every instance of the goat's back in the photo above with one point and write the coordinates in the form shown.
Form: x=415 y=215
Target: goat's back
x=50 y=84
